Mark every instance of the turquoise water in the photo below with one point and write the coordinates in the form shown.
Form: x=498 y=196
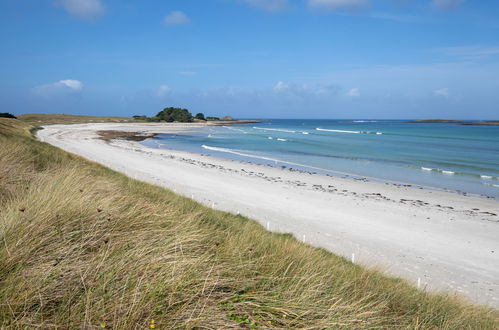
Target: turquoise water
x=439 y=155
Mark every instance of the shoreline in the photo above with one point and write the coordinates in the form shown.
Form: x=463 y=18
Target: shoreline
x=440 y=239
x=109 y=135
x=331 y=173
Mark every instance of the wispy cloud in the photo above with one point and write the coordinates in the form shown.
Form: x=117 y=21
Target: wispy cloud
x=447 y=4
x=395 y=17
x=470 y=52
x=338 y=4
x=164 y=91
x=304 y=90
x=83 y=9
x=176 y=18
x=268 y=5
x=354 y=92
x=62 y=87
x=444 y=92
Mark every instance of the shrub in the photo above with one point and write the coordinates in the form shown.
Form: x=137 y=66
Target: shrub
x=175 y=114
x=7 y=115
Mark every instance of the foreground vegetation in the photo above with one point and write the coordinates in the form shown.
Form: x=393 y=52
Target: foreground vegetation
x=86 y=247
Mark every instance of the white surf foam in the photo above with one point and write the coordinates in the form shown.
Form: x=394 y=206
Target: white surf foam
x=243 y=153
x=275 y=129
x=338 y=131
x=426 y=169
x=448 y=172
x=486 y=177
x=283 y=140
x=306 y=133
x=236 y=129
x=235 y=152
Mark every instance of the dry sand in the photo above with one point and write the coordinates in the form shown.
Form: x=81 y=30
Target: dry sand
x=445 y=241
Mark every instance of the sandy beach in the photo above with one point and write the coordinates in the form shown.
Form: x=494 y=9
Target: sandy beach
x=440 y=240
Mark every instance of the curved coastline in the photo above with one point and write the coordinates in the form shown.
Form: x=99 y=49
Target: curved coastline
x=252 y=156
x=397 y=228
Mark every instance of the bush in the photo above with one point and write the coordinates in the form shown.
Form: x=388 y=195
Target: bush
x=175 y=114
x=200 y=116
x=7 y=115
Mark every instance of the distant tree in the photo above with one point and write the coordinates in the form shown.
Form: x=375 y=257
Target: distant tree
x=7 y=115
x=200 y=116
x=175 y=114
x=140 y=117
x=212 y=118
x=227 y=118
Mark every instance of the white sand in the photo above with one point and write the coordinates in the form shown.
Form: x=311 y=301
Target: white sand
x=446 y=240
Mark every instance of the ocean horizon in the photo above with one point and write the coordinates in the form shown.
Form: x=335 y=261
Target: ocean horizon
x=444 y=156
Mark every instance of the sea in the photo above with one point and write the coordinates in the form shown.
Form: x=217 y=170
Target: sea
x=442 y=156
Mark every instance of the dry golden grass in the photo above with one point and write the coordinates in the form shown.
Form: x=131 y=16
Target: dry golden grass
x=85 y=247
x=41 y=118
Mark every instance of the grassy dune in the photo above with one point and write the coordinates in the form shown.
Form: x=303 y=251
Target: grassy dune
x=85 y=247
x=41 y=118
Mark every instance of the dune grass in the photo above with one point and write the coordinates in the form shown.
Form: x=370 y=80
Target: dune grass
x=42 y=118
x=85 y=247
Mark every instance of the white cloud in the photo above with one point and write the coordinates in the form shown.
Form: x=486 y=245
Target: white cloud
x=444 y=92
x=338 y=4
x=68 y=86
x=176 y=18
x=354 y=92
x=164 y=91
x=447 y=4
x=281 y=87
x=84 y=9
x=268 y=5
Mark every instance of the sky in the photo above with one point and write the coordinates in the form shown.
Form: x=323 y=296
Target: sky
x=358 y=59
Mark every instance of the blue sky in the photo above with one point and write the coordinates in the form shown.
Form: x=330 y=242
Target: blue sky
x=252 y=58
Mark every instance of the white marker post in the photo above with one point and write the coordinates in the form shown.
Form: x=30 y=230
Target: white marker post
x=419 y=282
x=303 y=238
x=353 y=258
x=268 y=225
